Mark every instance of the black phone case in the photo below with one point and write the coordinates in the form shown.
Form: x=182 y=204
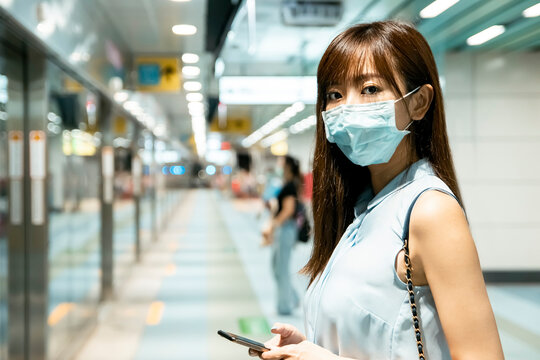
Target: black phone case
x=252 y=344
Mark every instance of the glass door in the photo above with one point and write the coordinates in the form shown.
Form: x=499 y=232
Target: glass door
x=11 y=204
x=73 y=210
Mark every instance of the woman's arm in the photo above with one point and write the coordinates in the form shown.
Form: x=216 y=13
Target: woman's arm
x=442 y=247
x=287 y=211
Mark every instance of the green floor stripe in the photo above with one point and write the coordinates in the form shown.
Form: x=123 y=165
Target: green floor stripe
x=254 y=325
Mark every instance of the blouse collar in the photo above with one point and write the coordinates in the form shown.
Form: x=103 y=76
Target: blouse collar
x=367 y=201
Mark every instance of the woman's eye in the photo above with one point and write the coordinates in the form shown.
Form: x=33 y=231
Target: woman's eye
x=333 y=96
x=370 y=90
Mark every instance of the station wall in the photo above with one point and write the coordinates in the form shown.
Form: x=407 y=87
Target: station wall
x=493 y=117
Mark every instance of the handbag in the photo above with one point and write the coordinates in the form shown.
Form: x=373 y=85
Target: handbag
x=302 y=223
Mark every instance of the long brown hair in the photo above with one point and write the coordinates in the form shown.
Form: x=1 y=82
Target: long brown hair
x=391 y=48
x=294 y=167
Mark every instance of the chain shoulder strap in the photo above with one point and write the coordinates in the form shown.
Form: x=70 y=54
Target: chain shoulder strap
x=410 y=288
x=414 y=310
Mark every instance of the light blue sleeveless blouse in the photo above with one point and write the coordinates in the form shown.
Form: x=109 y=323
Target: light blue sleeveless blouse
x=358 y=307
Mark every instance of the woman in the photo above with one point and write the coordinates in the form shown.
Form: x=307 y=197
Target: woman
x=283 y=227
x=383 y=173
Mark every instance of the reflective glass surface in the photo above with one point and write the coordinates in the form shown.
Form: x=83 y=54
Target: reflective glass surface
x=147 y=189
x=123 y=210
x=4 y=216
x=11 y=257
x=74 y=211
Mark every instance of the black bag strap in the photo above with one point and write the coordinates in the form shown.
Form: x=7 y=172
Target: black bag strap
x=410 y=287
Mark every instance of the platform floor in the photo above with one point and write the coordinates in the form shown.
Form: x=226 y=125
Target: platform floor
x=208 y=272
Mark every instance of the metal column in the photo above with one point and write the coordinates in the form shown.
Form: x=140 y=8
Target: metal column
x=136 y=172
x=107 y=199
x=16 y=288
x=36 y=206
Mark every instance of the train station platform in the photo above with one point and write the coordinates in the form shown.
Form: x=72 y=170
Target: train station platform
x=208 y=272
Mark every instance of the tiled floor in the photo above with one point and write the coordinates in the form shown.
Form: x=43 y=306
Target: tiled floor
x=208 y=272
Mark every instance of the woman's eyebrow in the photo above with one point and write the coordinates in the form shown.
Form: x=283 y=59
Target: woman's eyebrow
x=356 y=79
x=364 y=77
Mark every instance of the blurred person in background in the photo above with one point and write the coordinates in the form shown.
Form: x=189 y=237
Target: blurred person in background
x=282 y=232
x=382 y=287
x=273 y=182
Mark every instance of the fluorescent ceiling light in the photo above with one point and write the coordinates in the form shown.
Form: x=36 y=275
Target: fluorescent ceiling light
x=189 y=58
x=198 y=120
x=219 y=67
x=131 y=105
x=486 y=35
x=121 y=96
x=196 y=105
x=273 y=124
x=197 y=97
x=180 y=0
x=196 y=112
x=533 y=11
x=184 y=29
x=272 y=139
x=198 y=127
x=191 y=71
x=192 y=86
x=298 y=106
x=436 y=8
x=303 y=125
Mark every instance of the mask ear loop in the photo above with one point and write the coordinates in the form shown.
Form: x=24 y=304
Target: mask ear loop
x=409 y=93
x=403 y=97
x=406 y=127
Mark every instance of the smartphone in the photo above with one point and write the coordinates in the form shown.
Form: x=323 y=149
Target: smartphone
x=252 y=344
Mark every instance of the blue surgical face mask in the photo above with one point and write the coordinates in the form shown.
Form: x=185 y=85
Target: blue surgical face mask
x=365 y=133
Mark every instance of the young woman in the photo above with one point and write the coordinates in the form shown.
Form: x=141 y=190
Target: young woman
x=394 y=270
x=283 y=227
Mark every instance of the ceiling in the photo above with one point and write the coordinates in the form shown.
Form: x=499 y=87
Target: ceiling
x=277 y=49
x=288 y=50
x=145 y=25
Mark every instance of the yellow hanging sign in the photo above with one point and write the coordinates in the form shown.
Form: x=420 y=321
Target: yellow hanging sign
x=158 y=74
x=233 y=124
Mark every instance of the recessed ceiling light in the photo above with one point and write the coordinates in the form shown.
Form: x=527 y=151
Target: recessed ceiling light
x=436 y=8
x=184 y=29
x=191 y=71
x=190 y=58
x=192 y=86
x=533 y=11
x=196 y=106
x=486 y=35
x=191 y=97
x=180 y=0
x=196 y=112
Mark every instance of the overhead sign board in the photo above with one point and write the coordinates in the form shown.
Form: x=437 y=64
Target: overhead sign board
x=233 y=124
x=158 y=74
x=250 y=90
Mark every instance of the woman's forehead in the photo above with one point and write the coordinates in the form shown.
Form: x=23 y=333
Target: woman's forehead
x=360 y=70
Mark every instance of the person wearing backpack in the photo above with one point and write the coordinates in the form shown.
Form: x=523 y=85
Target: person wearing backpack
x=284 y=230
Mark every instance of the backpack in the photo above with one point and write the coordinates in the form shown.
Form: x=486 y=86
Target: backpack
x=302 y=223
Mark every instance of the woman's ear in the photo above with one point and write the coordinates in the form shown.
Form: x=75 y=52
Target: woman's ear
x=420 y=102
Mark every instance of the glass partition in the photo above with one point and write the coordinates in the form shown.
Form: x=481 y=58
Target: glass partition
x=74 y=210
x=146 y=143
x=11 y=208
x=3 y=214
x=124 y=227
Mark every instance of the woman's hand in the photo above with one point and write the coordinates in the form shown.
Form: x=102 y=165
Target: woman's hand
x=303 y=351
x=268 y=235
x=286 y=334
